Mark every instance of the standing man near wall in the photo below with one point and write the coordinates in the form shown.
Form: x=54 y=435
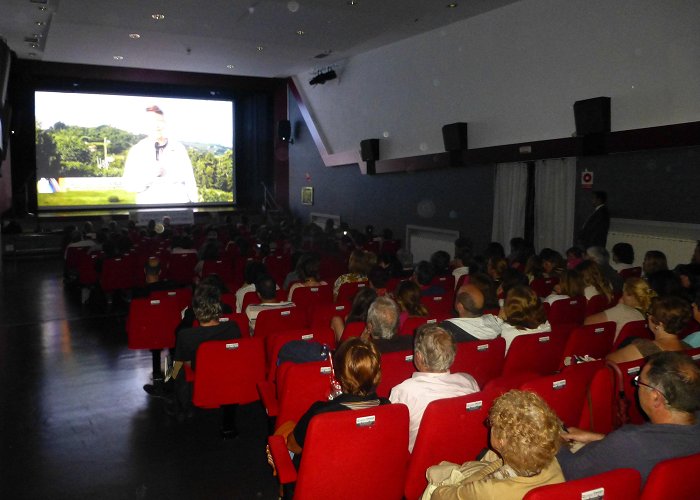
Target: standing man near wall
x=594 y=232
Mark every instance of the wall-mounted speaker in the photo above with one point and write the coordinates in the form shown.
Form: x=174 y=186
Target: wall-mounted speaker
x=369 y=149
x=284 y=130
x=592 y=116
x=454 y=136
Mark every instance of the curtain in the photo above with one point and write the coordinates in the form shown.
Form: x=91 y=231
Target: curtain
x=509 y=202
x=555 y=184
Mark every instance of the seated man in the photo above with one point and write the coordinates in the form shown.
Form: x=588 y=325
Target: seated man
x=383 y=325
x=266 y=290
x=207 y=309
x=434 y=353
x=472 y=323
x=153 y=282
x=668 y=388
x=423 y=275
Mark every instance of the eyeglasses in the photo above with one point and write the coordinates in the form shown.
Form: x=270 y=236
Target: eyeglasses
x=636 y=382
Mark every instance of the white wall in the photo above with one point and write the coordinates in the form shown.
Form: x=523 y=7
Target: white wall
x=514 y=73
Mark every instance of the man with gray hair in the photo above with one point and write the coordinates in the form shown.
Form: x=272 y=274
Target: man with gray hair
x=383 y=324
x=434 y=353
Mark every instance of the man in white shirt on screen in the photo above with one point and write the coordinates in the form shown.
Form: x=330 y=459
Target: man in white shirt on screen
x=158 y=168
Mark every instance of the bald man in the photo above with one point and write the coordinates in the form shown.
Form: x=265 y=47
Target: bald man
x=472 y=324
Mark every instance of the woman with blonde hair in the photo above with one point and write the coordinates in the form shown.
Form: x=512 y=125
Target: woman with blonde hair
x=667 y=317
x=525 y=439
x=570 y=286
x=523 y=314
x=633 y=305
x=359 y=265
x=594 y=280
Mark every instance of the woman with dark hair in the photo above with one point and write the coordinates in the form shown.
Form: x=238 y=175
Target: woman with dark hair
x=523 y=314
x=358 y=370
x=667 y=317
x=654 y=260
x=407 y=296
x=308 y=269
x=358 y=311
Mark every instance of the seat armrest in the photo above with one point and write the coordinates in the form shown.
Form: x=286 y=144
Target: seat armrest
x=268 y=396
x=283 y=462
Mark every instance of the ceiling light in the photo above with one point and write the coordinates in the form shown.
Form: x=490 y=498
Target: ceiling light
x=452 y=5
x=230 y=66
x=352 y=2
x=39 y=23
x=34 y=45
x=118 y=58
x=43 y=8
x=158 y=17
x=300 y=32
x=260 y=48
x=134 y=36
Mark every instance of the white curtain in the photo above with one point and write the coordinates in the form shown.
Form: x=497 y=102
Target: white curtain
x=509 y=202
x=555 y=184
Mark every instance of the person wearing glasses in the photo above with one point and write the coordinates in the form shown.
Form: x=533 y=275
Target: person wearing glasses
x=668 y=388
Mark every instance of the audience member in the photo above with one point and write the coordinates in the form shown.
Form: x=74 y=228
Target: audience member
x=308 y=271
x=622 y=256
x=267 y=292
x=358 y=267
x=524 y=444
x=251 y=273
x=382 y=326
x=440 y=261
x=472 y=323
x=654 y=260
x=633 y=305
x=595 y=283
x=152 y=277
x=553 y=263
x=434 y=353
x=574 y=256
x=423 y=275
x=600 y=256
x=488 y=288
x=358 y=311
x=665 y=282
x=570 y=286
x=379 y=279
x=667 y=318
x=668 y=389
x=523 y=314
x=408 y=298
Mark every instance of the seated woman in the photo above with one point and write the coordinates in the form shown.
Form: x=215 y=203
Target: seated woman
x=594 y=280
x=358 y=311
x=359 y=264
x=308 y=269
x=570 y=285
x=523 y=314
x=358 y=370
x=633 y=305
x=553 y=263
x=667 y=318
x=693 y=340
x=654 y=260
x=407 y=296
x=525 y=439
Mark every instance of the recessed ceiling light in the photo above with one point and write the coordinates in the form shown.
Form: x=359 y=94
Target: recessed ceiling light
x=230 y=66
x=352 y=2
x=34 y=45
x=260 y=48
x=134 y=36
x=39 y=23
x=118 y=58
x=452 y=5
x=300 y=32
x=43 y=8
x=158 y=17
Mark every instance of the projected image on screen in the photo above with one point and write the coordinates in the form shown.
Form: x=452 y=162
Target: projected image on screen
x=97 y=150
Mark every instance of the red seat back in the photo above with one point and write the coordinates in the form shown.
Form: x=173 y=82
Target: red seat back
x=241 y=320
x=351 y=330
x=536 y=352
x=396 y=367
x=228 y=371
x=409 y=326
x=151 y=323
x=595 y=341
x=639 y=329
x=305 y=297
x=87 y=270
x=452 y=429
x=181 y=267
x=439 y=306
x=543 y=286
x=674 y=478
x=222 y=268
x=183 y=296
x=376 y=453
x=299 y=385
x=597 y=303
x=632 y=272
x=482 y=359
x=347 y=291
x=321 y=314
x=617 y=484
x=274 y=342
x=571 y=310
x=271 y=321
x=117 y=274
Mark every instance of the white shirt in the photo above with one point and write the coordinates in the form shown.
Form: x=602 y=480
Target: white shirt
x=484 y=327
x=422 y=388
x=253 y=310
x=509 y=332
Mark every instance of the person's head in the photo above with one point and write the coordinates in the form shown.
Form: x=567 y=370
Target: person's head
x=216 y=281
x=469 y=302
x=665 y=282
x=534 y=267
x=654 y=260
x=570 y=283
x=157 y=125
x=593 y=276
x=495 y=267
x=510 y=278
x=524 y=431
x=206 y=303
x=599 y=255
x=152 y=270
x=488 y=288
x=379 y=277
x=574 y=256
x=408 y=297
x=434 y=349
x=669 y=314
x=441 y=262
x=670 y=380
x=623 y=253
x=309 y=266
x=523 y=308
x=253 y=270
x=552 y=261
x=383 y=318
x=599 y=198
x=424 y=273
x=266 y=288
x=358 y=263
x=494 y=249
x=637 y=293
x=358 y=367
x=360 y=304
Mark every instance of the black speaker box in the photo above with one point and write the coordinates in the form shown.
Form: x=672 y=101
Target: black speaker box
x=592 y=116
x=284 y=130
x=369 y=149
x=454 y=136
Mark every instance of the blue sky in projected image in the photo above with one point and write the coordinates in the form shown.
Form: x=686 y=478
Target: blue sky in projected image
x=189 y=120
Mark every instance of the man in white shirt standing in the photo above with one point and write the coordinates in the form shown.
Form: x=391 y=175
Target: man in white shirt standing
x=434 y=353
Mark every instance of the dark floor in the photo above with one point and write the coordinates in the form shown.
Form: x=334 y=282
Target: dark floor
x=75 y=422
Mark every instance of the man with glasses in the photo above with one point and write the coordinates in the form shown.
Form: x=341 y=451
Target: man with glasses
x=668 y=389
